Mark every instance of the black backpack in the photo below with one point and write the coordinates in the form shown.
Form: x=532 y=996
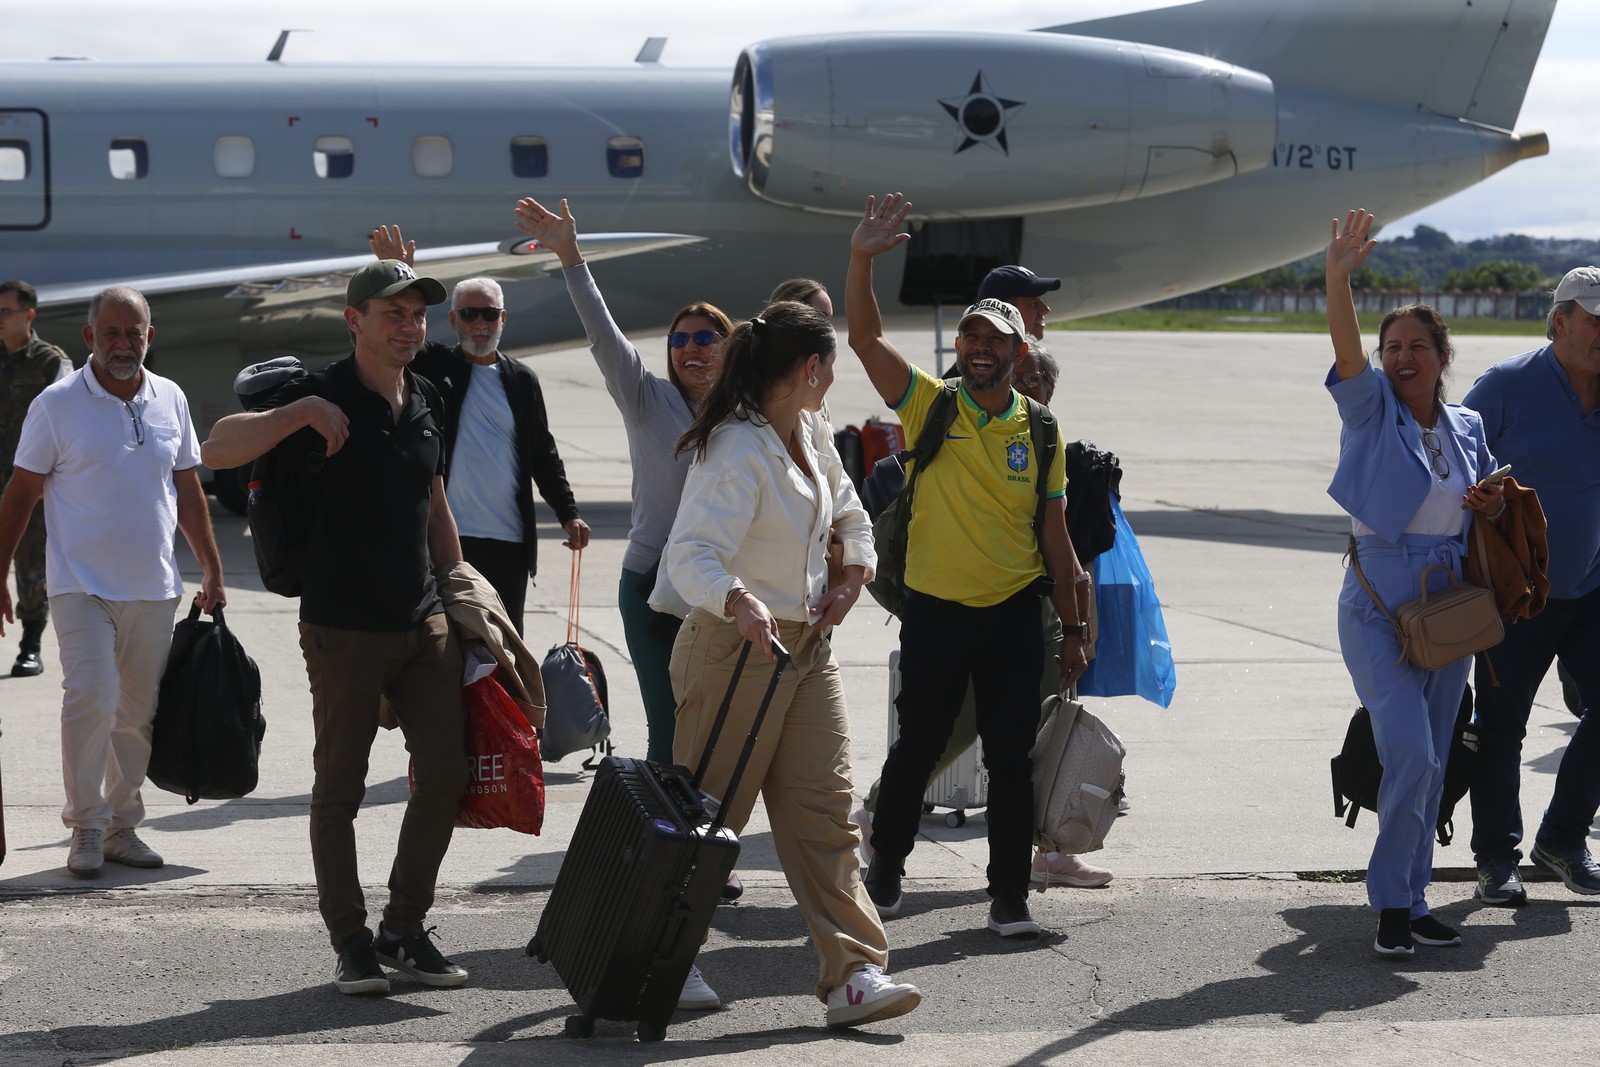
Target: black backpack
x=1357 y=772
x=282 y=480
x=208 y=726
x=887 y=493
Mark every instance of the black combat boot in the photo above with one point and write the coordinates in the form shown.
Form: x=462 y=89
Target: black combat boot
x=29 y=662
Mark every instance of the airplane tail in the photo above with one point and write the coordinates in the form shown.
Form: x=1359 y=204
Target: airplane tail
x=1463 y=60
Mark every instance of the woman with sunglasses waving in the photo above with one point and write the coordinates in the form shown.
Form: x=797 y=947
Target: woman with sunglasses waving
x=748 y=555
x=1408 y=474
x=656 y=412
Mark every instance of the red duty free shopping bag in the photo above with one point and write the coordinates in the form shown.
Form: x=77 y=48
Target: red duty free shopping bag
x=506 y=777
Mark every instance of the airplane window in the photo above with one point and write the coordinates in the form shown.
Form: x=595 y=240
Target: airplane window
x=430 y=157
x=530 y=157
x=129 y=158
x=625 y=157
x=235 y=157
x=14 y=159
x=334 y=157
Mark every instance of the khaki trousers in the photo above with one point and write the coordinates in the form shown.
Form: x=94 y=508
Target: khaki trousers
x=801 y=766
x=418 y=673
x=112 y=656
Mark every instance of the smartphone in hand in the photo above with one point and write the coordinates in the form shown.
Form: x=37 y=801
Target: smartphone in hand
x=1495 y=477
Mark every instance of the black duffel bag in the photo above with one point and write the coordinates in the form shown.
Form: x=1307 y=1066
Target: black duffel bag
x=208 y=726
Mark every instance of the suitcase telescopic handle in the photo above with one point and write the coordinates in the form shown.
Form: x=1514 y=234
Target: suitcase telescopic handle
x=755 y=727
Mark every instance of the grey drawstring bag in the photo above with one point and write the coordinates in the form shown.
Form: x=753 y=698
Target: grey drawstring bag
x=576 y=717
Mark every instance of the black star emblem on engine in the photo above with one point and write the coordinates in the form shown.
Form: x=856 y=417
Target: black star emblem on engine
x=981 y=117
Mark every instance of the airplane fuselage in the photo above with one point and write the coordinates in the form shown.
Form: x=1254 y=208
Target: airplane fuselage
x=118 y=170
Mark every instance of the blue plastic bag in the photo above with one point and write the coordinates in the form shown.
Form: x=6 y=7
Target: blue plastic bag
x=1132 y=656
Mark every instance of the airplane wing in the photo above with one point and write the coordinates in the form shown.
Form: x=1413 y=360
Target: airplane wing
x=264 y=286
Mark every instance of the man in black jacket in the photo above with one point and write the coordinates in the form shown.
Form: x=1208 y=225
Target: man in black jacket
x=497 y=445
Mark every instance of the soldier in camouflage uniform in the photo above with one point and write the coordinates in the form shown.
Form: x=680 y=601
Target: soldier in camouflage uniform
x=27 y=365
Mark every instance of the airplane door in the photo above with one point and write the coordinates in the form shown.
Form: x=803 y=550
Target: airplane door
x=24 y=169
x=946 y=259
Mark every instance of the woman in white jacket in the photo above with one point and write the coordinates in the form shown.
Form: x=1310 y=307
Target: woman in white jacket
x=748 y=555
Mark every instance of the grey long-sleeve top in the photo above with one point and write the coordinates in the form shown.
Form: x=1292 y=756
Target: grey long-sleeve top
x=655 y=415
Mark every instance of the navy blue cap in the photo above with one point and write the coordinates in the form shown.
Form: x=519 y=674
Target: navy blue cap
x=1003 y=283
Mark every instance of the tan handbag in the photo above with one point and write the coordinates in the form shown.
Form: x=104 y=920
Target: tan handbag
x=1439 y=628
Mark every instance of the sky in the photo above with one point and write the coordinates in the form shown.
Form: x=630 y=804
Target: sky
x=1548 y=197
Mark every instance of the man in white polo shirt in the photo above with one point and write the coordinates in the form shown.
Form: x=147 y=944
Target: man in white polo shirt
x=111 y=450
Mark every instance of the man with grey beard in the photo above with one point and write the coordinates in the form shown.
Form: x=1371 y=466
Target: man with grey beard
x=498 y=446
x=111 y=450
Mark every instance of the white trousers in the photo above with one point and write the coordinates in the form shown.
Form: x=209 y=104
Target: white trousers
x=112 y=655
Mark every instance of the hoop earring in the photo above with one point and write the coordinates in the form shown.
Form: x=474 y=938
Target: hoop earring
x=812 y=381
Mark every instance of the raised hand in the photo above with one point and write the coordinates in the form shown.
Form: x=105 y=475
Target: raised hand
x=879 y=229
x=1350 y=244
x=558 y=233
x=386 y=245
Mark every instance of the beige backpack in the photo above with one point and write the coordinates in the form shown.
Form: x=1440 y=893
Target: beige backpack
x=1077 y=779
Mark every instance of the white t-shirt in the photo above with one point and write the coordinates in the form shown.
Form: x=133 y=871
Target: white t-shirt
x=1440 y=513
x=483 y=469
x=110 y=503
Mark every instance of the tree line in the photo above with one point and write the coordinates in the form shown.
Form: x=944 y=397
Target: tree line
x=1431 y=260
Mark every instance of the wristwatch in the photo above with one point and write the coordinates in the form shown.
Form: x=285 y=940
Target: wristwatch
x=1080 y=630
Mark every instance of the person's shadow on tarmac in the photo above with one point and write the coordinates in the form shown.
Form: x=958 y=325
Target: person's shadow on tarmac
x=1329 y=969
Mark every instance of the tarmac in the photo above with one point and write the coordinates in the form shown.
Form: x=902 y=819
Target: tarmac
x=1236 y=930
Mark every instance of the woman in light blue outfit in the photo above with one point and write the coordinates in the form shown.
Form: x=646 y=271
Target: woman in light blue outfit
x=1407 y=474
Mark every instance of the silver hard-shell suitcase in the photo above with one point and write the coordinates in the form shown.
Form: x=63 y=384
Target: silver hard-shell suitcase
x=961 y=787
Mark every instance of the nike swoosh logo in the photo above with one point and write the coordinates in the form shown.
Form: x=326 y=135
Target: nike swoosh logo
x=956 y=437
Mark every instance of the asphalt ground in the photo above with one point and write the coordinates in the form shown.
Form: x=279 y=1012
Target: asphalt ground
x=1227 y=936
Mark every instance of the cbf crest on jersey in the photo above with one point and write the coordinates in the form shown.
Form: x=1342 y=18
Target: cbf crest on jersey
x=1017 y=456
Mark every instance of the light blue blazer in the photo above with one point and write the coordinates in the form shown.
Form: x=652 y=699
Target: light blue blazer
x=1384 y=472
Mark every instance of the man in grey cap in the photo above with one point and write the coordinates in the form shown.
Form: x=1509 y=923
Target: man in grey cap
x=372 y=627
x=1023 y=290
x=1541 y=414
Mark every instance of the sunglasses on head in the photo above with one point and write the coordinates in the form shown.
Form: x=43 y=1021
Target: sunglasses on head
x=703 y=338
x=474 y=314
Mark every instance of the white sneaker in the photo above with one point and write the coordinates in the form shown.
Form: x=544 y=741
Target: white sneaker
x=87 y=856
x=863 y=819
x=123 y=846
x=697 y=995
x=869 y=997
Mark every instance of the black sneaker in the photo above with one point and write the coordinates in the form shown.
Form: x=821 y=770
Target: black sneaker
x=1394 y=933
x=1009 y=917
x=1500 y=884
x=418 y=957
x=883 y=886
x=357 y=971
x=1430 y=931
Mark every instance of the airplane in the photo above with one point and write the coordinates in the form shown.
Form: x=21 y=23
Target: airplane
x=1137 y=157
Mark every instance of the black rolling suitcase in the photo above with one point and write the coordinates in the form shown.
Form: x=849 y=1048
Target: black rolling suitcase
x=645 y=870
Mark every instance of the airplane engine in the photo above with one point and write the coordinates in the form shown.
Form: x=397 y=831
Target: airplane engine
x=974 y=125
